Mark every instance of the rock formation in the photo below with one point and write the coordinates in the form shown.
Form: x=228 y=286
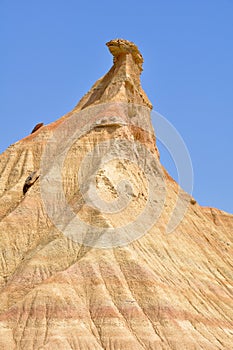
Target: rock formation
x=64 y=292
x=36 y=127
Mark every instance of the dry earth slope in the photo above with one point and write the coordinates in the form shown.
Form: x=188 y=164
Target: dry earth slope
x=159 y=291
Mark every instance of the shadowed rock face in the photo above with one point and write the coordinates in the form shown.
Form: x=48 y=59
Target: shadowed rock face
x=30 y=180
x=158 y=292
x=37 y=127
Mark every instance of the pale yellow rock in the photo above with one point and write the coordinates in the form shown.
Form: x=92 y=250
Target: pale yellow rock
x=158 y=292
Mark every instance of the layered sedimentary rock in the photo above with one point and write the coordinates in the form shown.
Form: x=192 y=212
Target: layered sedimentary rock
x=79 y=291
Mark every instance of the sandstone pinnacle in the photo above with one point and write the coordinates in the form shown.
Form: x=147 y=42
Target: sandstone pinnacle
x=121 y=48
x=122 y=82
x=91 y=179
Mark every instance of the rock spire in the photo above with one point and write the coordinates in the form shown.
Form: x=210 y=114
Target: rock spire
x=122 y=82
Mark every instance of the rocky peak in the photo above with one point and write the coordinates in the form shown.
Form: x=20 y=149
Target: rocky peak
x=121 y=48
x=155 y=291
x=122 y=82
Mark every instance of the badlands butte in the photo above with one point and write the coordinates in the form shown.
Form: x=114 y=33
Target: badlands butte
x=79 y=287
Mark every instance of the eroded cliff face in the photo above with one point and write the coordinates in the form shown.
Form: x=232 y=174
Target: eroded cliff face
x=61 y=291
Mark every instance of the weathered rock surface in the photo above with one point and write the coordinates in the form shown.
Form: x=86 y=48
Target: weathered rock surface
x=158 y=292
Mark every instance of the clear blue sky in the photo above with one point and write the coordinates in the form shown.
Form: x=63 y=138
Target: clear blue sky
x=52 y=51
